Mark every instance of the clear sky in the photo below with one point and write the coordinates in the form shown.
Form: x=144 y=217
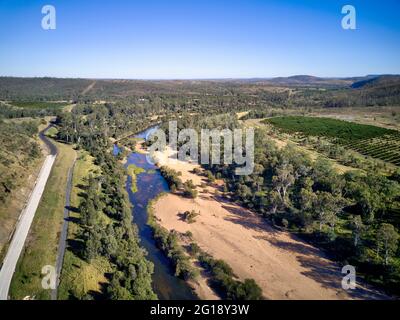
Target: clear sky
x=158 y=39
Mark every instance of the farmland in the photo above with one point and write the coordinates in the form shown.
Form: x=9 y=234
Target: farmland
x=376 y=142
x=38 y=105
x=23 y=109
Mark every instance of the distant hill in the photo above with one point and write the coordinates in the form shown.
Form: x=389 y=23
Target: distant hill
x=377 y=81
x=306 y=80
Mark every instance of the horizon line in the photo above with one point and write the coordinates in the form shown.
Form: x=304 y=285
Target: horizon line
x=205 y=78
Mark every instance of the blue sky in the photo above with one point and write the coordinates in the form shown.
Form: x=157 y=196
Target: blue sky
x=154 y=39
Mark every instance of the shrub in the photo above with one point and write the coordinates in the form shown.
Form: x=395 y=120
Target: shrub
x=190 y=216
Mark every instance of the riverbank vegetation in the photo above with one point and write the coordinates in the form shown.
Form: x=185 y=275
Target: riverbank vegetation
x=168 y=242
x=224 y=282
x=173 y=178
x=106 y=229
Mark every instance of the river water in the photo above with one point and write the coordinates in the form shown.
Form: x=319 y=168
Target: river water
x=165 y=284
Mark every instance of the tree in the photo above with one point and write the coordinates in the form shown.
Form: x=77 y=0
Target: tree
x=326 y=177
x=357 y=226
x=190 y=216
x=189 y=189
x=248 y=290
x=307 y=196
x=326 y=206
x=373 y=194
x=258 y=182
x=92 y=244
x=283 y=179
x=115 y=291
x=210 y=176
x=275 y=201
x=386 y=241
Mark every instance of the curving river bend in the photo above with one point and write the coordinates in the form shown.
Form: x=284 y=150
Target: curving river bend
x=149 y=185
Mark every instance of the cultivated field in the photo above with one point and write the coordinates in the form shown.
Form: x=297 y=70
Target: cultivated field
x=376 y=142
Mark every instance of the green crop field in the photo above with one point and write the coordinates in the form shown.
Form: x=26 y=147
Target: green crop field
x=38 y=104
x=376 y=142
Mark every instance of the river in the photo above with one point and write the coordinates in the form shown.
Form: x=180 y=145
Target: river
x=149 y=185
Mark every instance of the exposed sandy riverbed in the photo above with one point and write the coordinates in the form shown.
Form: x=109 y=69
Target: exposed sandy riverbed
x=284 y=266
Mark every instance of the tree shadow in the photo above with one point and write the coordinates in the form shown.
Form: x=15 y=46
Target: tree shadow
x=72 y=209
x=82 y=195
x=82 y=186
x=329 y=276
x=76 y=246
x=74 y=220
x=182 y=216
x=247 y=219
x=297 y=247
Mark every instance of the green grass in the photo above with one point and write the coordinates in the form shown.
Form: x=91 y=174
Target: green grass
x=42 y=243
x=79 y=277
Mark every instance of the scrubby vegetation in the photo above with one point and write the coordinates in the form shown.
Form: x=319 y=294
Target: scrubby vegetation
x=189 y=190
x=18 y=150
x=190 y=216
x=114 y=238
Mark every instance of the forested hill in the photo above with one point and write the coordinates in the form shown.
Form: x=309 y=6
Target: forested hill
x=377 y=82
x=296 y=91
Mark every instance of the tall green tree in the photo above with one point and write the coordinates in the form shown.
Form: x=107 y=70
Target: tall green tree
x=386 y=241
